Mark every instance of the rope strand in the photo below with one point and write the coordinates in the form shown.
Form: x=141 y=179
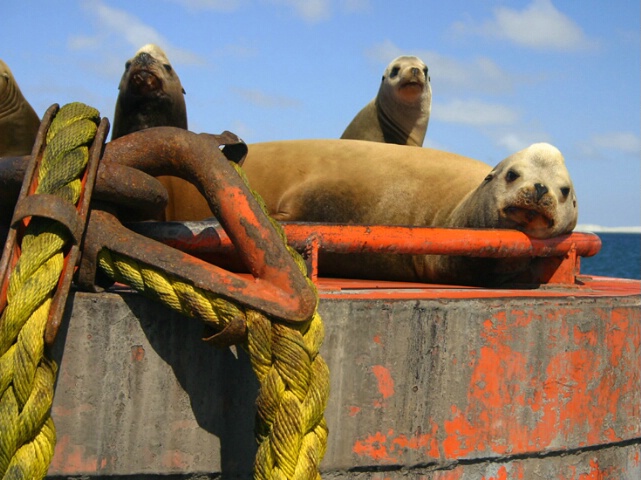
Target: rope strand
x=27 y=433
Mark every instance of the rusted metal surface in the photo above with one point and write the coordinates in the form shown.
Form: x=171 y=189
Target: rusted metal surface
x=561 y=254
x=278 y=287
x=105 y=231
x=134 y=193
x=139 y=195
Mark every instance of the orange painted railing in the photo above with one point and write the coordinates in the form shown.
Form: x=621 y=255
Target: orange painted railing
x=562 y=253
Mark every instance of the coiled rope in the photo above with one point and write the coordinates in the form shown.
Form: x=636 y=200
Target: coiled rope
x=291 y=428
x=294 y=379
x=27 y=433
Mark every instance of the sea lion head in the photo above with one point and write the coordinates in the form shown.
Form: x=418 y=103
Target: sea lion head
x=407 y=81
x=151 y=94
x=530 y=191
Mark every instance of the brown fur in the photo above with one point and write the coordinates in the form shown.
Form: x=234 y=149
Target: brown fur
x=401 y=110
x=359 y=182
x=150 y=95
x=19 y=122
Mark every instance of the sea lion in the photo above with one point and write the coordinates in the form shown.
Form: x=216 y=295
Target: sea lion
x=401 y=110
x=318 y=181
x=19 y=122
x=150 y=94
x=530 y=191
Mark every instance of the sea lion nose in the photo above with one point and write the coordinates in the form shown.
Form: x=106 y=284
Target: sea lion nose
x=540 y=190
x=143 y=58
x=415 y=71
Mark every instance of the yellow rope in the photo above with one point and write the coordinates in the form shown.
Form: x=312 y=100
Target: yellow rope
x=291 y=428
x=27 y=434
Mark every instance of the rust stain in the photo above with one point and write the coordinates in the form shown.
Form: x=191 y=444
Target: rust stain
x=62 y=411
x=137 y=353
x=385 y=380
x=71 y=459
x=176 y=460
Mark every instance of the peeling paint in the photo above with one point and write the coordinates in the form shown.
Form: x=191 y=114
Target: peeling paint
x=385 y=380
x=516 y=404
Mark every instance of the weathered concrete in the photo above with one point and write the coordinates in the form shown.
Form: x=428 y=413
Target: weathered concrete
x=447 y=387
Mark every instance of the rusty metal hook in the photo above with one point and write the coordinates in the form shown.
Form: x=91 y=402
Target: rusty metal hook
x=278 y=287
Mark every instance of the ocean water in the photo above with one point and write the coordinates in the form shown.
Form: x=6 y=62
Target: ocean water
x=620 y=256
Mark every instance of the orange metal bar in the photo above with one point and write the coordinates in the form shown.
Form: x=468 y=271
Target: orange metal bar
x=438 y=241
x=208 y=239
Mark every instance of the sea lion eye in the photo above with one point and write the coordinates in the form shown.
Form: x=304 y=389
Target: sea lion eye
x=425 y=73
x=394 y=72
x=565 y=191
x=167 y=67
x=511 y=176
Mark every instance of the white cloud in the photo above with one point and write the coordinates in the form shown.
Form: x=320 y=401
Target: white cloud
x=127 y=28
x=474 y=113
x=627 y=143
x=216 y=5
x=514 y=141
x=314 y=11
x=539 y=25
x=265 y=100
x=449 y=75
x=310 y=10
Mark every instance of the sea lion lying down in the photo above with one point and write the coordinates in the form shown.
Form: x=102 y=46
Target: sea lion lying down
x=360 y=182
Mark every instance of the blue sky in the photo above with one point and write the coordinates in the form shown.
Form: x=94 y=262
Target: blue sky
x=504 y=74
